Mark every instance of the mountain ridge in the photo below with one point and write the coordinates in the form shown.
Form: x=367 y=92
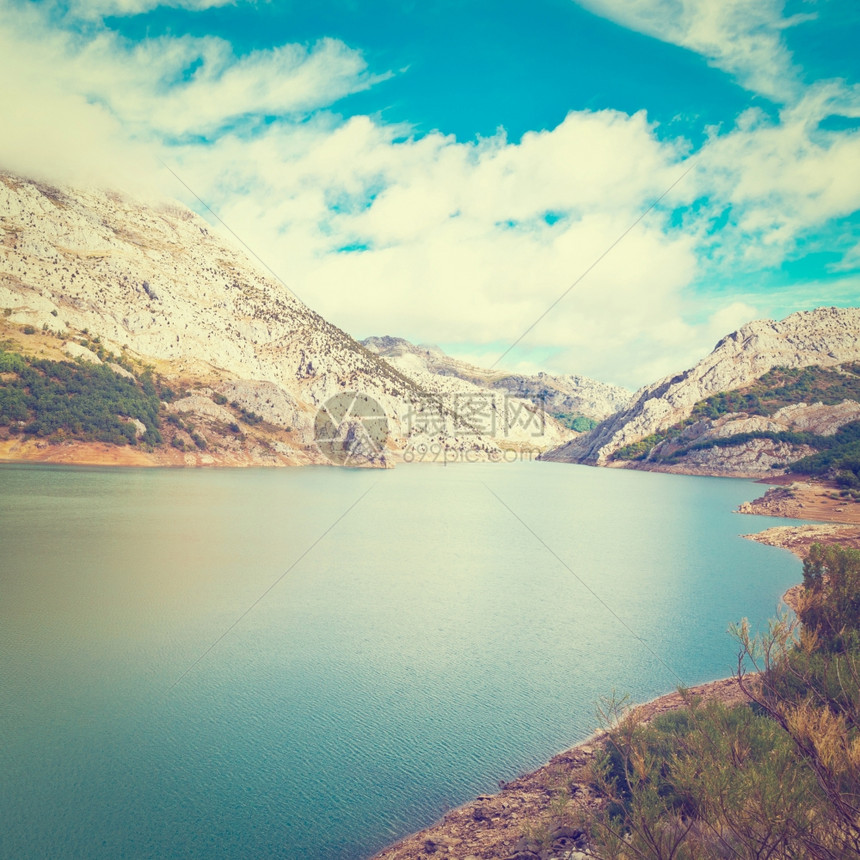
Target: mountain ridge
x=559 y=394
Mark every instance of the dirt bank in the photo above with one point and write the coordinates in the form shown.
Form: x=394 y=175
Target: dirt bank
x=804 y=500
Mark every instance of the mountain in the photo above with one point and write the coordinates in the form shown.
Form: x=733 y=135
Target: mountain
x=132 y=332
x=768 y=395
x=576 y=401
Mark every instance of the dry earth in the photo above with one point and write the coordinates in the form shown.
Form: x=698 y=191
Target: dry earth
x=804 y=500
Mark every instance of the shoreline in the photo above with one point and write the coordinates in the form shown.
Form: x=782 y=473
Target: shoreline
x=835 y=520
x=495 y=826
x=76 y=453
x=498 y=825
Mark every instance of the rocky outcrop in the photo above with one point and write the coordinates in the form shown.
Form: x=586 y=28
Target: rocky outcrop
x=755 y=458
x=825 y=337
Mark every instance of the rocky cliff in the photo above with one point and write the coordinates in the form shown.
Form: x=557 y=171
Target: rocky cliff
x=666 y=427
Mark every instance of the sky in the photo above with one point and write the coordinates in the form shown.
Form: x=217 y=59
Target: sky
x=600 y=187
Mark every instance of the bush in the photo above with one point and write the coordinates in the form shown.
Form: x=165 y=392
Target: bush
x=831 y=606
x=779 y=778
x=575 y=421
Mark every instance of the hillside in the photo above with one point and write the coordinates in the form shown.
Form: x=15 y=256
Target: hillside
x=91 y=276
x=768 y=395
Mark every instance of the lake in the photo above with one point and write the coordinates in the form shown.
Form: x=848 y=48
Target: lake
x=405 y=640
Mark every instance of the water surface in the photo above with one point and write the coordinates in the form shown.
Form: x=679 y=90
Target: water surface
x=429 y=644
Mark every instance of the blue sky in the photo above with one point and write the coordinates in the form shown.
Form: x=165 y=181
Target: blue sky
x=443 y=171
x=468 y=68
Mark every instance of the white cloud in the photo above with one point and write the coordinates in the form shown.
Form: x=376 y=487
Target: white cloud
x=459 y=245
x=781 y=178
x=459 y=248
x=742 y=37
x=84 y=106
x=465 y=242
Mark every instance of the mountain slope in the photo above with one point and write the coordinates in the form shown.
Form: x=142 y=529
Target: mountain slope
x=823 y=338
x=156 y=284
x=244 y=366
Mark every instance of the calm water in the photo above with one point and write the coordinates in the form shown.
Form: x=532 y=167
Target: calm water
x=426 y=647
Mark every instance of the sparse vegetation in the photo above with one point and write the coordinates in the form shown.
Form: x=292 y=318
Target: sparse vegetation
x=778 y=388
x=840 y=462
x=782 y=386
x=641 y=449
x=246 y=415
x=777 y=778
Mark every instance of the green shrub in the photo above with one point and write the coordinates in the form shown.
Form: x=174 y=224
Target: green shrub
x=575 y=421
x=58 y=399
x=831 y=577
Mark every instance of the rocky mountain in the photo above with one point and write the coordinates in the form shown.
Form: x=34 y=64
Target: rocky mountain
x=564 y=397
x=768 y=395
x=245 y=370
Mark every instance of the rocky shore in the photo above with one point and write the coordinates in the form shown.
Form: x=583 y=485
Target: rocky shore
x=839 y=519
x=803 y=500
